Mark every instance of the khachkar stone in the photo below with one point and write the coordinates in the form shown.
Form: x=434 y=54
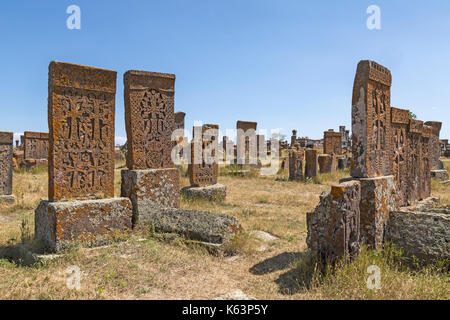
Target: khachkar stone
x=425 y=163
x=246 y=142
x=400 y=126
x=311 y=163
x=204 y=168
x=332 y=142
x=327 y=163
x=35 y=149
x=334 y=226
x=6 y=175
x=413 y=163
x=179 y=120
x=81 y=108
x=296 y=165
x=371 y=121
x=151 y=181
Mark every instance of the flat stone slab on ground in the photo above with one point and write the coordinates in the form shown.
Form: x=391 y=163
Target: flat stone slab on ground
x=7 y=199
x=263 y=236
x=215 y=192
x=92 y=222
x=439 y=175
x=235 y=295
x=215 y=228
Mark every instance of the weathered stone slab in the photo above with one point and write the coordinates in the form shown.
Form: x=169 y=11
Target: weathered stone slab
x=425 y=163
x=334 y=226
x=371 y=121
x=327 y=163
x=203 y=167
x=342 y=163
x=439 y=175
x=311 y=163
x=149 y=190
x=197 y=225
x=81 y=107
x=435 y=149
x=7 y=199
x=6 y=155
x=215 y=192
x=296 y=165
x=425 y=235
x=35 y=145
x=378 y=198
x=332 y=142
x=90 y=222
x=246 y=142
x=149 y=119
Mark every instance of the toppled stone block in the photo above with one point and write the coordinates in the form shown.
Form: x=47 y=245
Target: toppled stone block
x=378 y=197
x=439 y=175
x=149 y=190
x=215 y=192
x=91 y=222
x=215 y=228
x=7 y=199
x=334 y=226
x=425 y=235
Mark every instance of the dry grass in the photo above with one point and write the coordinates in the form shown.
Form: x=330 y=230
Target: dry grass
x=148 y=267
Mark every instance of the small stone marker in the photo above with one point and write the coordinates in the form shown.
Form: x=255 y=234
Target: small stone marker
x=6 y=162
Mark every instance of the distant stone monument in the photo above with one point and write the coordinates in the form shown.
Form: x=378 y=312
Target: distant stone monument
x=6 y=175
x=311 y=163
x=81 y=207
x=332 y=142
x=246 y=142
x=151 y=181
x=203 y=167
x=296 y=165
x=438 y=171
x=327 y=163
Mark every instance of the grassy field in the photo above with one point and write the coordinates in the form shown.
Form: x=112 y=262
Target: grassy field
x=148 y=266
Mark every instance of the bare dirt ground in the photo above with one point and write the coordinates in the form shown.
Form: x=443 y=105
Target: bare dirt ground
x=149 y=267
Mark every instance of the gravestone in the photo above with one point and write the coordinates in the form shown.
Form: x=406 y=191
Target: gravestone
x=293 y=138
x=204 y=168
x=81 y=108
x=296 y=165
x=179 y=120
x=400 y=144
x=332 y=142
x=371 y=121
x=246 y=142
x=151 y=181
x=311 y=163
x=35 y=149
x=6 y=162
x=327 y=163
x=438 y=171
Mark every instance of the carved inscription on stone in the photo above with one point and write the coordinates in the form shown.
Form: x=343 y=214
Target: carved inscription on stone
x=400 y=123
x=149 y=119
x=81 y=139
x=332 y=142
x=36 y=145
x=203 y=167
x=6 y=154
x=371 y=121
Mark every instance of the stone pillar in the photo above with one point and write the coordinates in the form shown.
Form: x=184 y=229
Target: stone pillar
x=399 y=125
x=311 y=163
x=334 y=226
x=332 y=142
x=438 y=171
x=6 y=161
x=293 y=138
x=246 y=142
x=296 y=165
x=81 y=207
x=151 y=181
x=327 y=163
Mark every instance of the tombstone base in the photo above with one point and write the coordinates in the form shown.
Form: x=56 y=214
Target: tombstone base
x=7 y=199
x=90 y=222
x=150 y=190
x=215 y=192
x=439 y=175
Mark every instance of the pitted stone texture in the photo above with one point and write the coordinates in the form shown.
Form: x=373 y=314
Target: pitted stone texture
x=425 y=235
x=400 y=144
x=371 y=121
x=7 y=199
x=334 y=226
x=35 y=145
x=311 y=163
x=332 y=142
x=81 y=110
x=149 y=119
x=215 y=192
x=149 y=190
x=327 y=163
x=6 y=161
x=435 y=148
x=91 y=222
x=342 y=163
x=246 y=142
x=196 y=225
x=378 y=198
x=439 y=175
x=296 y=165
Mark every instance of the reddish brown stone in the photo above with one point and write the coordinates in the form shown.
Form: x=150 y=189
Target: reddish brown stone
x=6 y=157
x=332 y=142
x=413 y=160
x=81 y=123
x=246 y=142
x=149 y=119
x=204 y=170
x=311 y=163
x=371 y=121
x=400 y=143
x=327 y=163
x=296 y=165
x=35 y=145
x=435 y=148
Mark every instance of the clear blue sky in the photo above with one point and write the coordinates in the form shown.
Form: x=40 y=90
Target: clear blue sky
x=285 y=64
